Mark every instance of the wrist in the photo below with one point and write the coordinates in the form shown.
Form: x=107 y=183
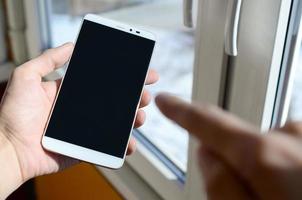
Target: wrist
x=10 y=172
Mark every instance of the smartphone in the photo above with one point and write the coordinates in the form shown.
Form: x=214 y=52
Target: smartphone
x=94 y=112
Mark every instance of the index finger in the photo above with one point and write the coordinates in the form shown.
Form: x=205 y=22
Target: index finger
x=226 y=135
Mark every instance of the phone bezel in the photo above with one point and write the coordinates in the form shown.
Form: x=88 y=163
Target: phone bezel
x=79 y=152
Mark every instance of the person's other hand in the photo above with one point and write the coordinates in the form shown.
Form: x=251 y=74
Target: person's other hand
x=236 y=160
x=26 y=106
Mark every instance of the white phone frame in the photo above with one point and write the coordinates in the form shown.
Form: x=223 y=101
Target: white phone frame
x=79 y=152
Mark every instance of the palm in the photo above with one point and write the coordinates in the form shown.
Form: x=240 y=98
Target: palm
x=35 y=98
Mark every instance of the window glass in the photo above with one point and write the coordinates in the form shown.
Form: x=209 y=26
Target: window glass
x=295 y=111
x=173 y=56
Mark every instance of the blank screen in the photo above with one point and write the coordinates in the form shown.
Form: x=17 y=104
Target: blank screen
x=101 y=89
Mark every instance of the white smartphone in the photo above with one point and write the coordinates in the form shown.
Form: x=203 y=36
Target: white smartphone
x=94 y=113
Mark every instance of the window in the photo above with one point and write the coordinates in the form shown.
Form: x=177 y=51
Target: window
x=251 y=85
x=295 y=110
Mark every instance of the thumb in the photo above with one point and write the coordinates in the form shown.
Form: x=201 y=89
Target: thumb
x=50 y=60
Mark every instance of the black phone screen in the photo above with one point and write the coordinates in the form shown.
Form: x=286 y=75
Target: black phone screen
x=98 y=98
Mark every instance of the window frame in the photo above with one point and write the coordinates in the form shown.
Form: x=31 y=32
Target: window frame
x=258 y=66
x=140 y=178
x=289 y=66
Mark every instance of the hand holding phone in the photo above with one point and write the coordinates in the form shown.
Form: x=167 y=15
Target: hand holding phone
x=94 y=113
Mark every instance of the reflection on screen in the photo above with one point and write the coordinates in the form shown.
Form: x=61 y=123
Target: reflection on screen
x=97 y=102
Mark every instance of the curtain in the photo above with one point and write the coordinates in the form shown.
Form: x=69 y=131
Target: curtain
x=16 y=27
x=3 y=45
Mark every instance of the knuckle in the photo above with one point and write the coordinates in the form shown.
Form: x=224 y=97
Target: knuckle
x=256 y=161
x=146 y=101
x=147 y=95
x=47 y=56
x=23 y=73
x=208 y=108
x=19 y=72
x=140 y=119
x=47 y=52
x=265 y=161
x=272 y=155
x=295 y=127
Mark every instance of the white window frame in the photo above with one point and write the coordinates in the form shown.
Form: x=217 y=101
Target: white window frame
x=256 y=69
x=289 y=66
x=216 y=81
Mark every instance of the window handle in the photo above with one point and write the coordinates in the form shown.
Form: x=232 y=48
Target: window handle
x=187 y=10
x=231 y=27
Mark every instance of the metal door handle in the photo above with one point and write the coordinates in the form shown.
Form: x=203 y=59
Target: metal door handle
x=231 y=27
x=188 y=18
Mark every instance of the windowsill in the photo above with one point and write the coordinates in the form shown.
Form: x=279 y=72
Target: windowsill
x=150 y=170
x=158 y=164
